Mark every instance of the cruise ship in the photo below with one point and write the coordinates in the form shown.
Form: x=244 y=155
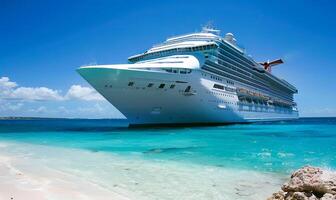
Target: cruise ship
x=197 y=78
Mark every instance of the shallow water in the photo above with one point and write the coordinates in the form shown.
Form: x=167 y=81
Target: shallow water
x=271 y=147
x=229 y=162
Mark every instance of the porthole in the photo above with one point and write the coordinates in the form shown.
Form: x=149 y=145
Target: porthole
x=130 y=83
x=161 y=85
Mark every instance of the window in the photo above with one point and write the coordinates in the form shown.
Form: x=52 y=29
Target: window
x=217 y=86
x=130 y=83
x=172 y=86
x=161 y=85
x=229 y=89
x=150 y=84
x=230 y=82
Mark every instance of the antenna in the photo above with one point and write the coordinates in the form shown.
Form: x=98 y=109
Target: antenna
x=209 y=24
x=209 y=28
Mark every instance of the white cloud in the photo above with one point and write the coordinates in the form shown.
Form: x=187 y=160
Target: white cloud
x=6 y=86
x=6 y=106
x=77 y=101
x=11 y=91
x=5 y=83
x=92 y=109
x=39 y=94
x=83 y=93
x=41 y=109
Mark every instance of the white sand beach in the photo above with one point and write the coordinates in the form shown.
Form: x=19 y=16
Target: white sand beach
x=37 y=172
x=47 y=184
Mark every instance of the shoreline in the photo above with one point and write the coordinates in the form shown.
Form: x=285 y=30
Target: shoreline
x=50 y=184
x=98 y=175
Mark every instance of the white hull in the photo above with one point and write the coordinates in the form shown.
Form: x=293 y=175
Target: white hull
x=152 y=105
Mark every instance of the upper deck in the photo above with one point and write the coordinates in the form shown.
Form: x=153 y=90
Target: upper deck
x=207 y=41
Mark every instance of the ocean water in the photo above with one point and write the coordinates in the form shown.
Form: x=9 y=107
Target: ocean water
x=243 y=161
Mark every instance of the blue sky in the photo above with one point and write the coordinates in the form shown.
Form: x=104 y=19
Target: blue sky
x=43 y=42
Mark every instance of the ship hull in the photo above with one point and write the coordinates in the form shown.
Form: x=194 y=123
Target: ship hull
x=130 y=92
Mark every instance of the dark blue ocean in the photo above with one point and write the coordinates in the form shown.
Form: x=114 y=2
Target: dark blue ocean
x=278 y=147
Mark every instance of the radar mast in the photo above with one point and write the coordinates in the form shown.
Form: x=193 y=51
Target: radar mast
x=209 y=28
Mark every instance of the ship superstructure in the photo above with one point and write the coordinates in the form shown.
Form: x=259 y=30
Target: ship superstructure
x=194 y=78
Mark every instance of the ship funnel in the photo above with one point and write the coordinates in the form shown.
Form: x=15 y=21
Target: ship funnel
x=269 y=64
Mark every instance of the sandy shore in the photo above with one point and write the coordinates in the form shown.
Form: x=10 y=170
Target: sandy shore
x=44 y=172
x=50 y=184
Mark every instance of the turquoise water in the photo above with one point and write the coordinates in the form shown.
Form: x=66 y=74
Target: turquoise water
x=278 y=147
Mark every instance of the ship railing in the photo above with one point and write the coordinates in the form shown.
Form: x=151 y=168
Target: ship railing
x=192 y=37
